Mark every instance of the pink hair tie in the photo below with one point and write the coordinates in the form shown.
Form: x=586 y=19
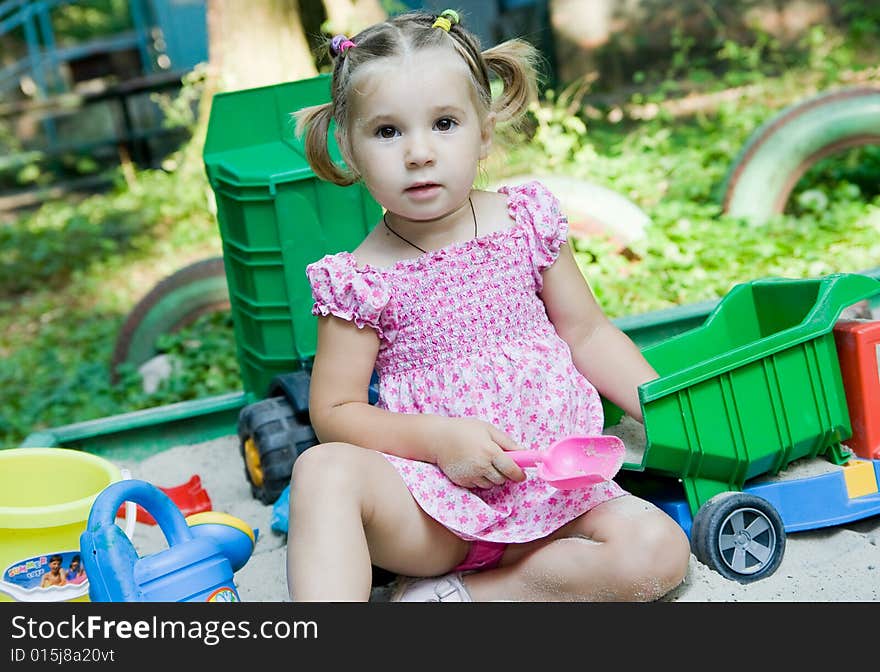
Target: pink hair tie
x=339 y=44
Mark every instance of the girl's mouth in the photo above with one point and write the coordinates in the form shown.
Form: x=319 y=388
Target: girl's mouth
x=424 y=190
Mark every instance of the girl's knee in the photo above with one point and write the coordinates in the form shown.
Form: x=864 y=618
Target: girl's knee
x=654 y=560
x=646 y=550
x=324 y=468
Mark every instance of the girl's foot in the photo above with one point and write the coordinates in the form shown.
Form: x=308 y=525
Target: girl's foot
x=447 y=588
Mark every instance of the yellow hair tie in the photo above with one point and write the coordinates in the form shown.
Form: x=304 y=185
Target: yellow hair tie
x=446 y=19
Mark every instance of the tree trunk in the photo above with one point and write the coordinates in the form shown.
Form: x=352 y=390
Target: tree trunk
x=580 y=30
x=351 y=16
x=257 y=43
x=616 y=38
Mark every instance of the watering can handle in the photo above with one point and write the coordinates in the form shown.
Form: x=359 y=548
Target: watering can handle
x=157 y=503
x=130 y=509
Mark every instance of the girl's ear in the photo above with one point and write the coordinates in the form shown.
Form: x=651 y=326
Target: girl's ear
x=487 y=132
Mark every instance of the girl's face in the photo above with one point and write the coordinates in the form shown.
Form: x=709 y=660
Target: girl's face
x=416 y=136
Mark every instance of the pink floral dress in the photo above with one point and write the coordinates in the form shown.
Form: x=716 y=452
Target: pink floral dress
x=464 y=333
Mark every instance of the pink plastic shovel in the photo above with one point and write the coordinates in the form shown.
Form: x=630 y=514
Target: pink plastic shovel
x=575 y=461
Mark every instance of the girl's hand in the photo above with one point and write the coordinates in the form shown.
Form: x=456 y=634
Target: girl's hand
x=472 y=454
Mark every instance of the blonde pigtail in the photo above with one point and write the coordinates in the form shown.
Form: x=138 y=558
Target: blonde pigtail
x=514 y=62
x=314 y=123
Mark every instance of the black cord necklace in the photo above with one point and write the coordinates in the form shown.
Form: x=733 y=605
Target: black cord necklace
x=409 y=242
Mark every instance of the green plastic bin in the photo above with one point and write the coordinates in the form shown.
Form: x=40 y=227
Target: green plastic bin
x=275 y=217
x=753 y=389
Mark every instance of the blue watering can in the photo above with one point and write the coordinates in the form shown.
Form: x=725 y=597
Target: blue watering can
x=204 y=550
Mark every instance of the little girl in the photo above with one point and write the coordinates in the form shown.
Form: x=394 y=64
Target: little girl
x=486 y=339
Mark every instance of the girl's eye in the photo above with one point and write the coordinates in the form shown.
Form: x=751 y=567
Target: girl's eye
x=445 y=124
x=386 y=132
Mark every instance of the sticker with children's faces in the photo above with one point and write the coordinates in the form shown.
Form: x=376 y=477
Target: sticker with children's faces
x=52 y=577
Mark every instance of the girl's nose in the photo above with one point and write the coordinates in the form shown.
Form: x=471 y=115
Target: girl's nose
x=419 y=151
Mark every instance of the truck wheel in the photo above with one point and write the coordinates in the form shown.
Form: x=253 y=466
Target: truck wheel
x=777 y=154
x=175 y=302
x=271 y=438
x=740 y=536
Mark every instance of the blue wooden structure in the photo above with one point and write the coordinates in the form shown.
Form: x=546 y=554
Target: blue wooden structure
x=180 y=43
x=148 y=46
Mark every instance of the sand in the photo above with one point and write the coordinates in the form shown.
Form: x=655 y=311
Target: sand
x=828 y=565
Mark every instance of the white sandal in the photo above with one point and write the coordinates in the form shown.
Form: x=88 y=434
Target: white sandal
x=447 y=588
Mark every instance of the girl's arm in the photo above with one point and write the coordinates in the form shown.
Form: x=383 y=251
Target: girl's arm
x=339 y=406
x=468 y=450
x=601 y=352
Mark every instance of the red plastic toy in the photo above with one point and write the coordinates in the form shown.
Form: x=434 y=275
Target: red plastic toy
x=857 y=349
x=190 y=497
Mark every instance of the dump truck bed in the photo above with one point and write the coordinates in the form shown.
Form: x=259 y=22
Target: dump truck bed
x=754 y=388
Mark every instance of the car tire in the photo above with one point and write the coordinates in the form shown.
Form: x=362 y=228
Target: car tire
x=174 y=303
x=763 y=175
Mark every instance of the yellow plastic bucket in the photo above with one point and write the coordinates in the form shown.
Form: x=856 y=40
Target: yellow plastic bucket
x=46 y=495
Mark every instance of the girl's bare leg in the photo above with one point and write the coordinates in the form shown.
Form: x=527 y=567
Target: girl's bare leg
x=349 y=509
x=625 y=549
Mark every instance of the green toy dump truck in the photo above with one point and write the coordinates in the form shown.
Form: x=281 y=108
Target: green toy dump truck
x=755 y=388
x=740 y=399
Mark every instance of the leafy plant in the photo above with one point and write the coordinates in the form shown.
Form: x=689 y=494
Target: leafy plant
x=560 y=131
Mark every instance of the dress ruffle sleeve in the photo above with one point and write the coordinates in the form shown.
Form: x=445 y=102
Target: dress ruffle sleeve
x=537 y=210
x=359 y=295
